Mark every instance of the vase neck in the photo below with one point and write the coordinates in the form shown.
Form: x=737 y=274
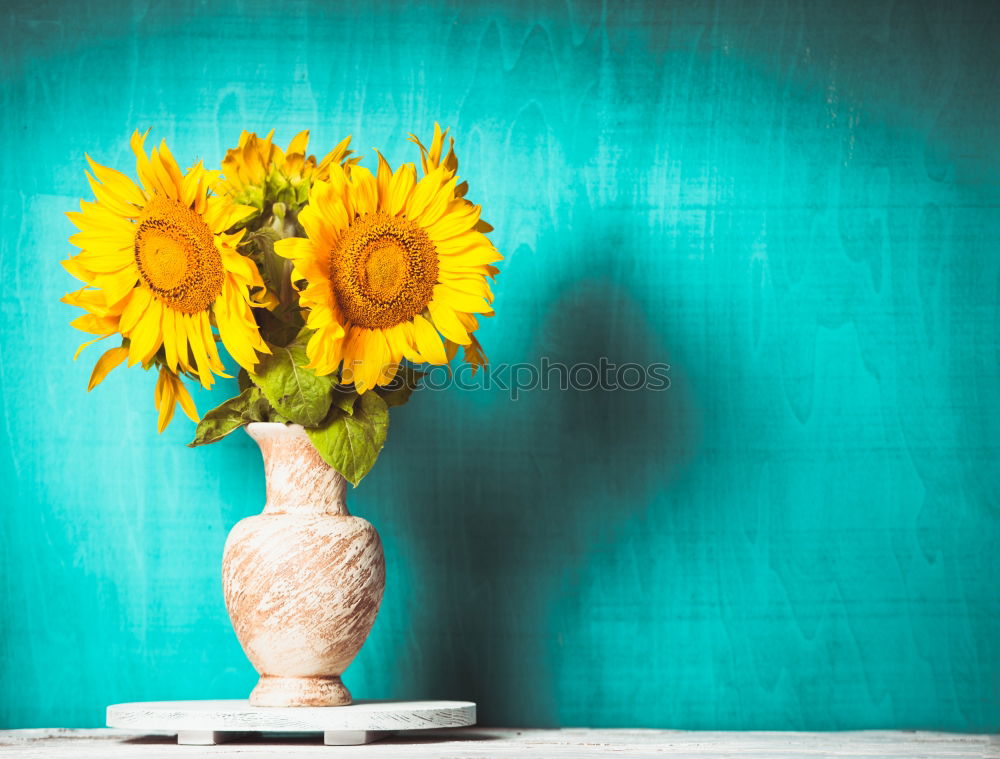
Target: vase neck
x=298 y=480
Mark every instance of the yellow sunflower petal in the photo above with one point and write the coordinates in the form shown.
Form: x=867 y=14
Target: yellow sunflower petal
x=461 y=218
x=136 y=305
x=182 y=329
x=221 y=213
x=192 y=185
x=428 y=342
x=95 y=219
x=400 y=188
x=474 y=355
x=469 y=322
x=325 y=349
x=352 y=353
x=375 y=358
x=365 y=191
x=437 y=143
x=111 y=201
x=104 y=260
x=398 y=346
x=108 y=361
x=171 y=168
x=210 y=343
x=169 y=331
x=294 y=248
x=233 y=317
x=186 y=401
x=88 y=299
x=195 y=333
x=116 y=285
x=164 y=398
x=76 y=269
x=163 y=179
x=146 y=338
x=330 y=207
x=431 y=158
x=438 y=205
x=299 y=142
x=241 y=268
x=424 y=193
x=383 y=178
x=476 y=256
x=408 y=345
x=147 y=175
x=389 y=372
x=472 y=284
x=447 y=323
x=319 y=232
x=96 y=325
x=334 y=158
x=460 y=301
x=88 y=343
x=118 y=184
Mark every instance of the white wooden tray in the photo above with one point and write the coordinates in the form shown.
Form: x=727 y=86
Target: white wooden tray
x=205 y=723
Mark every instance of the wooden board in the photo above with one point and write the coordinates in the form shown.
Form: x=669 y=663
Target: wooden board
x=486 y=743
x=220 y=721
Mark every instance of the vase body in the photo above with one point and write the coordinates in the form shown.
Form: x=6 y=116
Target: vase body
x=303 y=580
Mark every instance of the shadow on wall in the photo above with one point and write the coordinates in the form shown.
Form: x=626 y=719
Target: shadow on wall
x=489 y=558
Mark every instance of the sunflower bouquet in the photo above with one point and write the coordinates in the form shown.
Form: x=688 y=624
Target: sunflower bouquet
x=327 y=284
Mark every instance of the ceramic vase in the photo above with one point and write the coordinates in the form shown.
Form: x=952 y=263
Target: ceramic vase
x=303 y=580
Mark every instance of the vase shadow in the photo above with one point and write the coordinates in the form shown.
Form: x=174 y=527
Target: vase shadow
x=525 y=491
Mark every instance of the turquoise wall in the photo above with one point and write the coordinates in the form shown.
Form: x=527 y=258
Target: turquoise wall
x=795 y=204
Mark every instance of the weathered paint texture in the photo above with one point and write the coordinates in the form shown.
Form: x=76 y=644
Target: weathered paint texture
x=303 y=581
x=794 y=204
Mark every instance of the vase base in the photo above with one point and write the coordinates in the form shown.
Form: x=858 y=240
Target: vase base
x=300 y=691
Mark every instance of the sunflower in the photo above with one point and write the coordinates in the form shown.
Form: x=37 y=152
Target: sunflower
x=257 y=170
x=391 y=264
x=161 y=270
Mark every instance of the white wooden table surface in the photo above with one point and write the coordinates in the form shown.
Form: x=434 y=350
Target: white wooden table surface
x=484 y=742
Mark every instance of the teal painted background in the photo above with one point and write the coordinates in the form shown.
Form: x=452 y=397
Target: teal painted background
x=795 y=204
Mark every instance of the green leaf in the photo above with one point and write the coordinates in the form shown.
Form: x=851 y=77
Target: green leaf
x=295 y=392
x=260 y=248
x=344 y=397
x=281 y=325
x=243 y=380
x=351 y=443
x=398 y=392
x=248 y=406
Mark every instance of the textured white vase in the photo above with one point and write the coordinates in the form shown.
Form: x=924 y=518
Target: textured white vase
x=303 y=580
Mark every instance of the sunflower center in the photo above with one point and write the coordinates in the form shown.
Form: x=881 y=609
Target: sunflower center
x=383 y=270
x=177 y=258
